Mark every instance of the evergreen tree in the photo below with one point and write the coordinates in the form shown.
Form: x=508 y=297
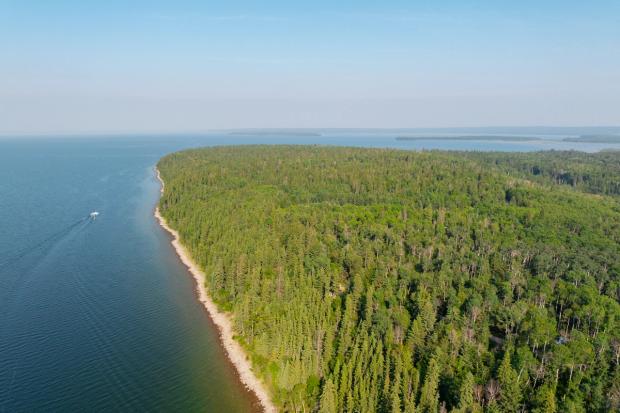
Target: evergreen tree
x=395 y=401
x=510 y=391
x=544 y=400
x=429 y=397
x=466 y=394
x=328 y=398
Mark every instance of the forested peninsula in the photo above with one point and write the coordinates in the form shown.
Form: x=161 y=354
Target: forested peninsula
x=398 y=281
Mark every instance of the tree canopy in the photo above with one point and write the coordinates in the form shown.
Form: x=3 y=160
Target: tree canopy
x=397 y=281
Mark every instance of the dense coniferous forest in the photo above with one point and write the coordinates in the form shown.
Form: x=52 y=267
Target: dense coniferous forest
x=597 y=173
x=366 y=280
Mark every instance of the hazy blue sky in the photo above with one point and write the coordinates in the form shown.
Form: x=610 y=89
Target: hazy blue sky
x=100 y=66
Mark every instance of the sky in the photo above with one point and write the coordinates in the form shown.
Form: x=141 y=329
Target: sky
x=188 y=66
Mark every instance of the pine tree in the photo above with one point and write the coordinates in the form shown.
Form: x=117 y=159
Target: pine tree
x=328 y=398
x=466 y=393
x=544 y=400
x=429 y=398
x=510 y=391
x=395 y=401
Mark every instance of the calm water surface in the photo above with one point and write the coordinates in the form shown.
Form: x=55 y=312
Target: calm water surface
x=101 y=315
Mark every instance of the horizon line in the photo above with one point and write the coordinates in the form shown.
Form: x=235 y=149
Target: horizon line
x=212 y=130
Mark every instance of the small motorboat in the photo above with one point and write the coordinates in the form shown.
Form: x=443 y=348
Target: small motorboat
x=94 y=215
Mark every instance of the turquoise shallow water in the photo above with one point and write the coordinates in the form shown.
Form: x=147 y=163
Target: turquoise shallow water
x=102 y=316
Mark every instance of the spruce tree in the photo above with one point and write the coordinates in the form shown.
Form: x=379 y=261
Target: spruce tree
x=429 y=397
x=466 y=393
x=544 y=400
x=328 y=398
x=510 y=391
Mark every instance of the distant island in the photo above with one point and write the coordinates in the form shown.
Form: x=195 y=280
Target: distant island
x=494 y=138
x=274 y=133
x=595 y=139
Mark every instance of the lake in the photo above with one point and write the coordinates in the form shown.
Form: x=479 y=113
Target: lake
x=101 y=315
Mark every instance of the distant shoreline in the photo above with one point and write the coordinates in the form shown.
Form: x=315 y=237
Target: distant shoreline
x=595 y=139
x=235 y=352
x=495 y=138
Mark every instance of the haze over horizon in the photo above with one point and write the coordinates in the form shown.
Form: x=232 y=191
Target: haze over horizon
x=71 y=67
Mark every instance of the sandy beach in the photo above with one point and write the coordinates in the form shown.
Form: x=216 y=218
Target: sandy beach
x=222 y=320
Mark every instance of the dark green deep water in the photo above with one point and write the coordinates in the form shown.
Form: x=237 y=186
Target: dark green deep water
x=102 y=316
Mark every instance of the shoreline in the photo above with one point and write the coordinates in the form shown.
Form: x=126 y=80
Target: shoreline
x=235 y=352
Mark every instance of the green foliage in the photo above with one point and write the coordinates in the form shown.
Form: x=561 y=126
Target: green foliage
x=381 y=280
x=597 y=173
x=328 y=398
x=544 y=400
x=510 y=397
x=429 y=397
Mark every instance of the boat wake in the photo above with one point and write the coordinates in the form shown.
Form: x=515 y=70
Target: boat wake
x=44 y=244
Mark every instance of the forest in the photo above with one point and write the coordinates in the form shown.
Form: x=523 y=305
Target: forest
x=363 y=280
x=597 y=173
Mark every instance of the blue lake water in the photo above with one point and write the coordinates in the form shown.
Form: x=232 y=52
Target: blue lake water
x=101 y=315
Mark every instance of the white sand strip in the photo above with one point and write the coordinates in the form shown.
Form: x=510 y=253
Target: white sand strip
x=222 y=321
